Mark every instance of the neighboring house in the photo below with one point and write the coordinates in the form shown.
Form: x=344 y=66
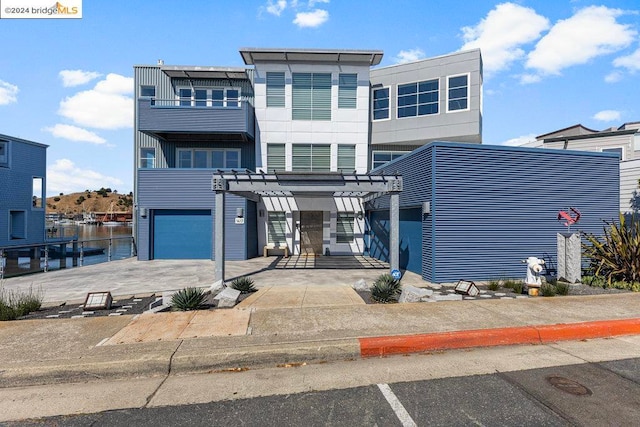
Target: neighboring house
x=624 y=141
x=22 y=191
x=295 y=114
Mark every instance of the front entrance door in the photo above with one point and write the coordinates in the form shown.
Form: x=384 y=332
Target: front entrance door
x=311 y=232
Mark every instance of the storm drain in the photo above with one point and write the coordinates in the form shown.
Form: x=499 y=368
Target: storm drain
x=569 y=386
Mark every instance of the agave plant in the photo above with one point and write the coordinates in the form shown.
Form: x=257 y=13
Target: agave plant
x=385 y=289
x=243 y=284
x=616 y=255
x=188 y=299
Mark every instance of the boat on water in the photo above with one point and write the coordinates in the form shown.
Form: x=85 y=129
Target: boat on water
x=111 y=223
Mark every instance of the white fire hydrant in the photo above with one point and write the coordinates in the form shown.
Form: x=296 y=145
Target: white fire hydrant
x=533 y=281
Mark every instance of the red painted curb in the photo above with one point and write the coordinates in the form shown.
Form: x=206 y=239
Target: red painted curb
x=404 y=344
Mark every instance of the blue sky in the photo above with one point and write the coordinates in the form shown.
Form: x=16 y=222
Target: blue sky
x=547 y=64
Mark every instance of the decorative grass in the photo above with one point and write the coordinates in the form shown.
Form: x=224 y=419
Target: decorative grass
x=16 y=303
x=548 y=290
x=188 y=299
x=243 y=284
x=385 y=289
x=493 y=285
x=515 y=285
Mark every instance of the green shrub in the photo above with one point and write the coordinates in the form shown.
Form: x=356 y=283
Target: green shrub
x=188 y=299
x=547 y=290
x=515 y=285
x=385 y=289
x=616 y=255
x=6 y=312
x=16 y=303
x=493 y=285
x=243 y=284
x=562 y=288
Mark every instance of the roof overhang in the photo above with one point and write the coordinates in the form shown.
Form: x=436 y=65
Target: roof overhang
x=251 y=56
x=205 y=72
x=254 y=186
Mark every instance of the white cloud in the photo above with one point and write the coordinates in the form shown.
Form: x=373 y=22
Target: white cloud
x=630 y=62
x=77 y=77
x=409 y=55
x=312 y=3
x=276 y=8
x=74 y=133
x=613 y=77
x=607 y=116
x=591 y=32
x=8 y=93
x=520 y=140
x=65 y=177
x=106 y=106
x=526 y=79
x=501 y=33
x=311 y=19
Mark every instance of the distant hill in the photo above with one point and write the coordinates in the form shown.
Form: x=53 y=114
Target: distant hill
x=102 y=200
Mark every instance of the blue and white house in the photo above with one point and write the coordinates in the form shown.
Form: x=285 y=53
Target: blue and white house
x=23 y=167
x=313 y=148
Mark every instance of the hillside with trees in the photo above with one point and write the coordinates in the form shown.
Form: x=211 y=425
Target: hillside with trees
x=102 y=200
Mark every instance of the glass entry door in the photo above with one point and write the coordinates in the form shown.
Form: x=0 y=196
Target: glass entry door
x=311 y=233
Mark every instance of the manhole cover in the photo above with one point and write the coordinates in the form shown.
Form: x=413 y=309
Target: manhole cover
x=569 y=386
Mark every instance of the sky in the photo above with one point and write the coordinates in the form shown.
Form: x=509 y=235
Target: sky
x=68 y=83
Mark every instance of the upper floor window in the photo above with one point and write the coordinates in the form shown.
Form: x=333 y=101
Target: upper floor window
x=216 y=97
x=418 y=99
x=185 y=97
x=381 y=103
x=382 y=157
x=311 y=157
x=227 y=158
x=275 y=89
x=147 y=157
x=458 y=93
x=311 y=96
x=4 y=153
x=38 y=192
x=147 y=91
x=346 y=158
x=347 y=90
x=276 y=159
x=618 y=150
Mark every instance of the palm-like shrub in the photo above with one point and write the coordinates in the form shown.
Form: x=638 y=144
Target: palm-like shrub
x=385 y=289
x=616 y=255
x=244 y=285
x=188 y=299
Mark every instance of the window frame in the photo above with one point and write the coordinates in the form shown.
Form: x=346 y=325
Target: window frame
x=209 y=151
x=352 y=166
x=142 y=158
x=282 y=220
x=344 y=92
x=316 y=94
x=142 y=89
x=312 y=159
x=393 y=155
x=417 y=103
x=277 y=100
x=373 y=101
x=283 y=156
x=613 y=150
x=209 y=101
x=34 y=197
x=10 y=229
x=4 y=159
x=343 y=235
x=468 y=95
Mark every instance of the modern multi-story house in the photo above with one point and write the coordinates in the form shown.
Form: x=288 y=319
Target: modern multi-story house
x=295 y=113
x=624 y=141
x=22 y=184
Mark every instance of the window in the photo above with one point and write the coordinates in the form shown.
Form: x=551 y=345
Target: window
x=202 y=97
x=275 y=89
x=147 y=158
x=311 y=96
x=344 y=227
x=185 y=97
x=346 y=158
x=618 y=150
x=418 y=99
x=233 y=98
x=17 y=225
x=277 y=228
x=4 y=153
x=382 y=157
x=458 y=92
x=38 y=192
x=208 y=158
x=347 y=90
x=311 y=158
x=276 y=157
x=381 y=103
x=147 y=91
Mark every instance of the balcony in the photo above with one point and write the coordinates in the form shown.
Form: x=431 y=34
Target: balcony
x=164 y=118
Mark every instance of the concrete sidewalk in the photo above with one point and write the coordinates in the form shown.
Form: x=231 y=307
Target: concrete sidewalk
x=69 y=350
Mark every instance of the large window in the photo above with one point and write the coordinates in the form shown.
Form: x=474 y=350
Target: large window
x=203 y=97
x=311 y=157
x=381 y=103
x=344 y=227
x=382 y=157
x=17 y=225
x=347 y=90
x=37 y=195
x=458 y=93
x=277 y=228
x=147 y=91
x=147 y=157
x=208 y=158
x=346 y=158
x=275 y=89
x=4 y=153
x=276 y=157
x=418 y=99
x=311 y=96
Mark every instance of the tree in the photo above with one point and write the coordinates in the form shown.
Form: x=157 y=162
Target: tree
x=79 y=200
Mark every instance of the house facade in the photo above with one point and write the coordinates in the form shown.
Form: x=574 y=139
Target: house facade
x=295 y=114
x=23 y=166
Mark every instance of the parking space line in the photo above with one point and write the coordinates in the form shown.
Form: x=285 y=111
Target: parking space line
x=397 y=406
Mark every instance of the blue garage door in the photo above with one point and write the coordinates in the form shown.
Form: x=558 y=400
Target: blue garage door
x=182 y=234
x=410 y=238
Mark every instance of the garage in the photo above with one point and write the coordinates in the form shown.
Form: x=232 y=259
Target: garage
x=182 y=234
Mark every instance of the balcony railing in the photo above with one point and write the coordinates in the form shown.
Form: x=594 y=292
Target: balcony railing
x=171 y=116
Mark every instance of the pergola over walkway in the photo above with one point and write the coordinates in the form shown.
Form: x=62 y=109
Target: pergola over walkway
x=254 y=186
